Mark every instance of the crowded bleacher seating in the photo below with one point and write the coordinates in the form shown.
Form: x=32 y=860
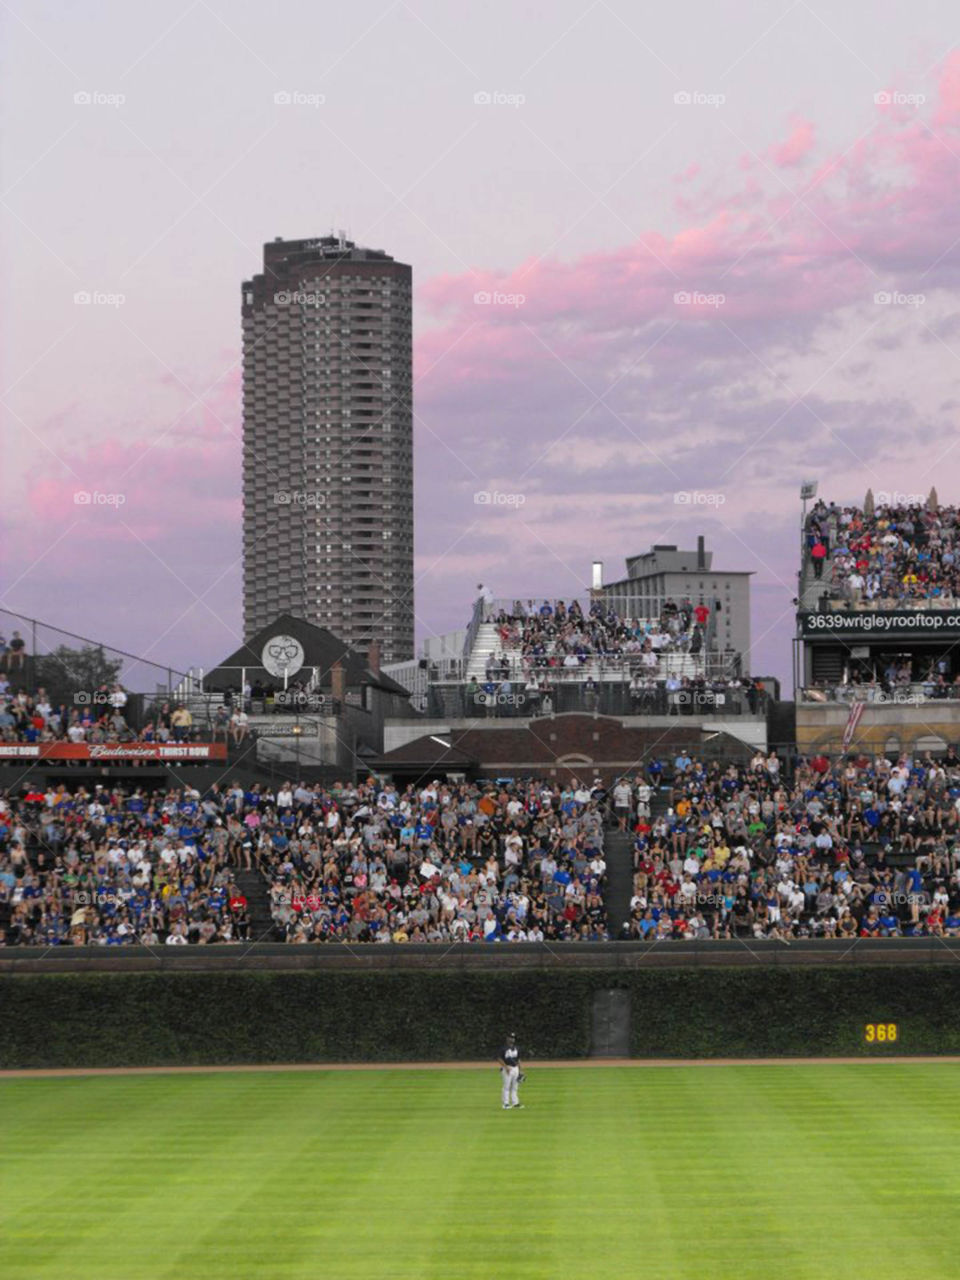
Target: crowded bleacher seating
x=859 y=848
x=864 y=848
x=443 y=863
x=112 y=867
x=663 y=664
x=554 y=634
x=893 y=556
x=102 y=716
x=347 y=863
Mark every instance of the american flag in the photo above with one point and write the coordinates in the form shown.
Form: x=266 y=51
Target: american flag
x=853 y=719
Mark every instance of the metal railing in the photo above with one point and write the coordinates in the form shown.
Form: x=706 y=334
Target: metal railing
x=705 y=664
x=615 y=698
x=195 y=682
x=64 y=662
x=837 y=598
x=478 y=616
x=139 y=711
x=625 y=606
x=914 y=694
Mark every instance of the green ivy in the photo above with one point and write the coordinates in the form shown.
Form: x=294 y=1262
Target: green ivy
x=143 y=1019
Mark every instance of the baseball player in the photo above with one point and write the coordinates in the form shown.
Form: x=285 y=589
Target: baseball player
x=510 y=1073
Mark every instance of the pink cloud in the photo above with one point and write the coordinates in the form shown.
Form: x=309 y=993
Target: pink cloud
x=699 y=394
x=948 y=106
x=688 y=174
x=588 y=389
x=796 y=148
x=134 y=539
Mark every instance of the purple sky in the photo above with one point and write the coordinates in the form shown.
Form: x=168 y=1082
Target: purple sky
x=783 y=197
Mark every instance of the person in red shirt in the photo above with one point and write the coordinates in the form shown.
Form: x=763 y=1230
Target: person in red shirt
x=361 y=907
x=934 y=921
x=818 y=553
x=667 y=883
x=701 y=613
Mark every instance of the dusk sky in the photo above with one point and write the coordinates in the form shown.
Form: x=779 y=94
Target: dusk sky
x=792 y=170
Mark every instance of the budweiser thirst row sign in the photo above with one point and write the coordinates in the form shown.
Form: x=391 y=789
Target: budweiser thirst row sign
x=119 y=751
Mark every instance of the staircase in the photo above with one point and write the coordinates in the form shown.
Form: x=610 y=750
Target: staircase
x=254 y=889
x=813 y=589
x=487 y=641
x=660 y=801
x=618 y=852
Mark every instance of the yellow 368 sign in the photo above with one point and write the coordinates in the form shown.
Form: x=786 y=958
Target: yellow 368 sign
x=881 y=1032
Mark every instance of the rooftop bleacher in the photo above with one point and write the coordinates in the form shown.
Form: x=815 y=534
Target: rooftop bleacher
x=532 y=656
x=870 y=578
x=888 y=555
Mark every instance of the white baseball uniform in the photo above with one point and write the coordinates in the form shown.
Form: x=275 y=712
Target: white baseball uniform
x=510 y=1071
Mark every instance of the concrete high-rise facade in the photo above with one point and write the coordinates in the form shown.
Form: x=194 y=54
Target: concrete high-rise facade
x=667 y=573
x=328 y=443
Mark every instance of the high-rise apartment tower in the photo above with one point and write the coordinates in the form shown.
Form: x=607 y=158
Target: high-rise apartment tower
x=328 y=443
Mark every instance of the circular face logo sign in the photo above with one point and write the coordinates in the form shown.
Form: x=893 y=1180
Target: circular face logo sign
x=283 y=656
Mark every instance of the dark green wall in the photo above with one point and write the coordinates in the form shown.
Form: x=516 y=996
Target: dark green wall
x=136 y=1019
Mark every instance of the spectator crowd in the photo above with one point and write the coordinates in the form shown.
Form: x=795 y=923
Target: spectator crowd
x=435 y=863
x=899 y=555
x=103 y=715
x=855 y=848
x=557 y=635
x=545 y=648
x=852 y=849
x=903 y=678
x=108 y=866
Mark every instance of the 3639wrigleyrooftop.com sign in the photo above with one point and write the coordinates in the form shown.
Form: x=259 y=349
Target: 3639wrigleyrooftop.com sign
x=896 y=622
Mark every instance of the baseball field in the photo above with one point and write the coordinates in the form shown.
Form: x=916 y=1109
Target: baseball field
x=744 y=1171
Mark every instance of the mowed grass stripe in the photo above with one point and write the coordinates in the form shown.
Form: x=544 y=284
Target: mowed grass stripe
x=793 y=1171
x=99 y=1150
x=270 y=1170
x=133 y=1141
x=802 y=1157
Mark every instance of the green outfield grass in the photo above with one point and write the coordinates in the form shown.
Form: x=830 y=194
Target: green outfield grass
x=825 y=1171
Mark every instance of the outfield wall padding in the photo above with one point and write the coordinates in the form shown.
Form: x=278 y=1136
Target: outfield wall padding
x=176 y=1019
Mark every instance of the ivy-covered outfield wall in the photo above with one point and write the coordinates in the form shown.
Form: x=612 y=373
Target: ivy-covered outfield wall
x=137 y=1019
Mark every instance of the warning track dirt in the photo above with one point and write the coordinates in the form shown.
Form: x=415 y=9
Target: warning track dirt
x=530 y=1065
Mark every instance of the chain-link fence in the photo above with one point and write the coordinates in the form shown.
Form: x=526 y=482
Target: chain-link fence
x=76 y=672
